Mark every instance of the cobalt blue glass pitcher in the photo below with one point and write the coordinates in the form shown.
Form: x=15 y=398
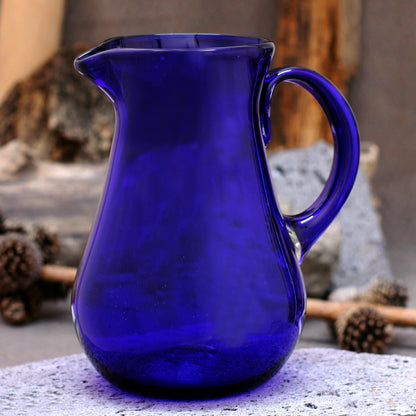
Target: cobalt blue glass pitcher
x=190 y=283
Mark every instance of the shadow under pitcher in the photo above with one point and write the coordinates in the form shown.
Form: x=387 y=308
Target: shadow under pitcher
x=190 y=283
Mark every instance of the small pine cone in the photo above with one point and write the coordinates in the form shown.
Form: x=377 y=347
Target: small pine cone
x=386 y=292
x=48 y=243
x=21 y=308
x=13 y=310
x=20 y=263
x=363 y=329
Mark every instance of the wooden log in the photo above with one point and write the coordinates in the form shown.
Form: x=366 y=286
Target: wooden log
x=323 y=35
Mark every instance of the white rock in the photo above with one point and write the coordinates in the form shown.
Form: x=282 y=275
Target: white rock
x=314 y=381
x=15 y=157
x=299 y=176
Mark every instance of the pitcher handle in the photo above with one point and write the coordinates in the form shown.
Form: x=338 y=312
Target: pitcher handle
x=312 y=222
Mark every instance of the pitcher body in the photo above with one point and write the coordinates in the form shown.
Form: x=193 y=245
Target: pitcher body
x=190 y=283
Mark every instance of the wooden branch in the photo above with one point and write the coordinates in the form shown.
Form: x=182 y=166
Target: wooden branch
x=55 y=273
x=316 y=308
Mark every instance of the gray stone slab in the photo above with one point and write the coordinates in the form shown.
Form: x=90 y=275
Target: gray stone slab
x=61 y=197
x=313 y=382
x=298 y=177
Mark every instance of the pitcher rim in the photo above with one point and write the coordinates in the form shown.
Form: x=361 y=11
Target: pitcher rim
x=234 y=42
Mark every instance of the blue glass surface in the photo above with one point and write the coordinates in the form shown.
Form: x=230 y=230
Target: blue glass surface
x=190 y=285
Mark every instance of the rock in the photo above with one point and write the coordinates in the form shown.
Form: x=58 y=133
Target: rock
x=369 y=156
x=345 y=294
x=299 y=176
x=314 y=381
x=15 y=157
x=58 y=113
x=322 y=261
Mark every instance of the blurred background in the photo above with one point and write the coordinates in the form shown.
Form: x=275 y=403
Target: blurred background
x=366 y=47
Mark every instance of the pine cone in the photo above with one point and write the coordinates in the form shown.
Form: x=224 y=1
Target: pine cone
x=48 y=243
x=386 y=292
x=21 y=308
x=13 y=311
x=20 y=263
x=363 y=329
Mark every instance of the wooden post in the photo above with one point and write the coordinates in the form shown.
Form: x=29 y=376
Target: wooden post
x=30 y=32
x=323 y=35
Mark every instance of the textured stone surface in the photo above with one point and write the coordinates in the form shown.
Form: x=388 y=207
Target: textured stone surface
x=313 y=382
x=299 y=176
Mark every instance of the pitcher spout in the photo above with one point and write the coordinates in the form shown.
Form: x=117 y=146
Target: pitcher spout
x=95 y=65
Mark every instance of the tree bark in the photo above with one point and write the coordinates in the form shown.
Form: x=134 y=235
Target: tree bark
x=322 y=35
